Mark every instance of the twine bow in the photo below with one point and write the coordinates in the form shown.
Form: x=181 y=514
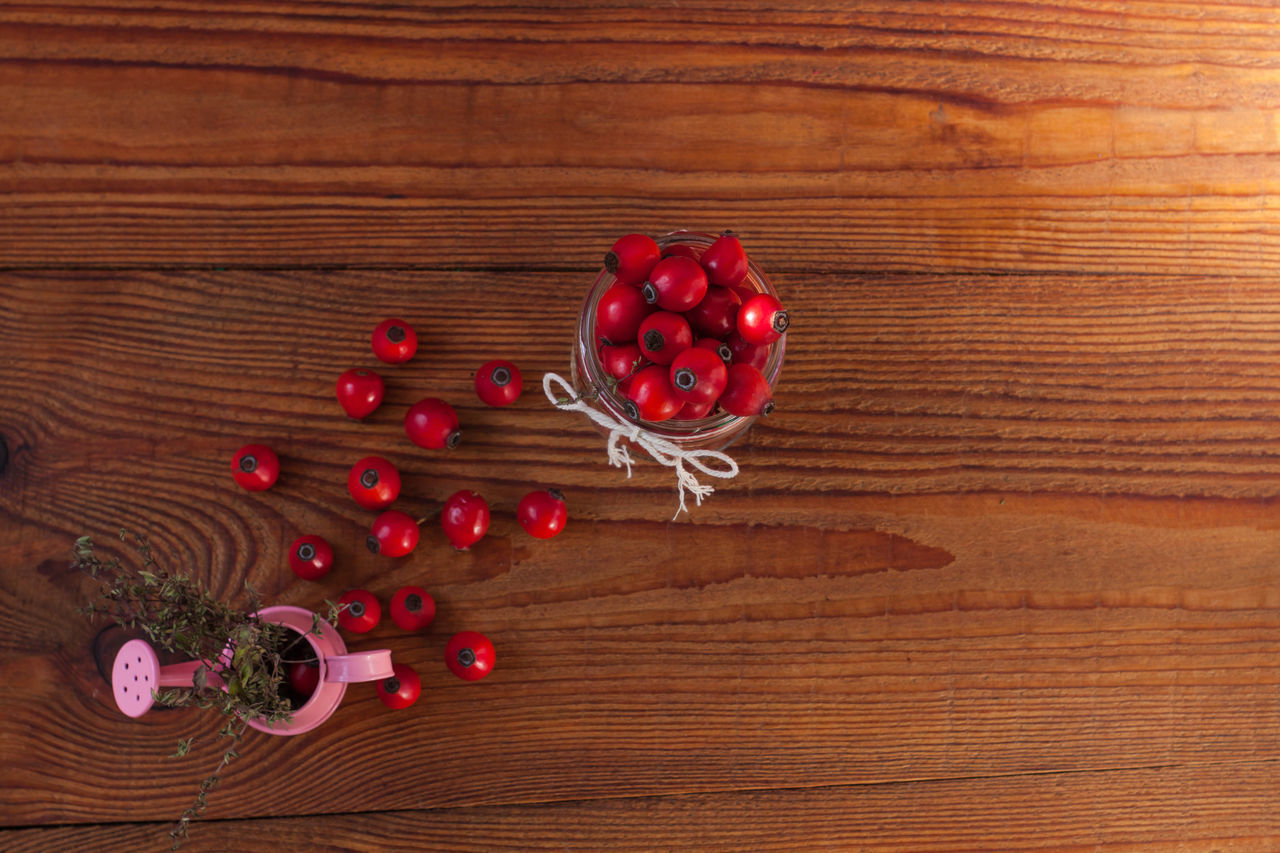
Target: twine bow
x=662 y=450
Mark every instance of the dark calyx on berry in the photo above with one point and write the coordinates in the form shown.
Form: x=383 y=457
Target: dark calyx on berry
x=248 y=463
x=453 y=439
x=653 y=340
x=413 y=603
x=767 y=409
x=649 y=292
x=391 y=685
x=466 y=657
x=611 y=262
x=356 y=608
x=306 y=551
x=369 y=478
x=500 y=376
x=630 y=408
x=781 y=320
x=371 y=542
x=726 y=354
x=557 y=494
x=686 y=379
x=395 y=334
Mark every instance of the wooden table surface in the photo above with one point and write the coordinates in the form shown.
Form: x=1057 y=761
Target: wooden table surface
x=1002 y=572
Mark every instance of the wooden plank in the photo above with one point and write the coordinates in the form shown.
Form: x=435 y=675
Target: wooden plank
x=955 y=136
x=997 y=526
x=1197 y=809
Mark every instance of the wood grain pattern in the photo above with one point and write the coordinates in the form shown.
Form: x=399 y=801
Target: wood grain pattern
x=1016 y=526
x=958 y=136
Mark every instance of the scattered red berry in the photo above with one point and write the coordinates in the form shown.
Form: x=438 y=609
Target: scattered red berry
x=360 y=611
x=698 y=376
x=432 y=423
x=762 y=320
x=742 y=352
x=498 y=382
x=393 y=534
x=746 y=392
x=621 y=360
x=402 y=689
x=412 y=608
x=465 y=519
x=632 y=257
x=304 y=677
x=542 y=514
x=310 y=557
x=725 y=261
x=619 y=313
x=374 y=483
x=649 y=395
x=663 y=335
x=676 y=284
x=255 y=467
x=359 y=392
x=717 y=314
x=469 y=655
x=394 y=341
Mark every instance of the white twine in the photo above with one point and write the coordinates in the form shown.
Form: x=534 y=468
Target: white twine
x=662 y=450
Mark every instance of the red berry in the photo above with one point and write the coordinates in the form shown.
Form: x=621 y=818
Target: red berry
x=255 y=467
x=465 y=519
x=310 y=557
x=402 y=689
x=469 y=655
x=394 y=341
x=649 y=395
x=676 y=284
x=682 y=250
x=374 y=483
x=432 y=423
x=632 y=257
x=412 y=608
x=360 y=611
x=694 y=411
x=621 y=360
x=746 y=393
x=498 y=382
x=619 y=313
x=664 y=335
x=359 y=392
x=720 y=348
x=698 y=376
x=756 y=355
x=542 y=514
x=304 y=677
x=762 y=320
x=717 y=314
x=725 y=261
x=393 y=534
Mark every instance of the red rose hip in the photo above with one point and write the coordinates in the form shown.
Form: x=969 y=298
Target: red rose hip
x=360 y=611
x=718 y=347
x=359 y=392
x=374 y=483
x=675 y=284
x=304 y=677
x=762 y=320
x=717 y=314
x=465 y=519
x=469 y=655
x=394 y=341
x=622 y=360
x=542 y=514
x=742 y=352
x=698 y=376
x=663 y=335
x=498 y=382
x=746 y=392
x=724 y=261
x=412 y=608
x=619 y=313
x=632 y=257
x=432 y=423
x=402 y=689
x=649 y=395
x=393 y=534
x=255 y=467
x=310 y=557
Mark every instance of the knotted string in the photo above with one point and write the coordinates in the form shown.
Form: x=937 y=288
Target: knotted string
x=662 y=450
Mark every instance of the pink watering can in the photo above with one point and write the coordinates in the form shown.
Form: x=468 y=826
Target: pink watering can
x=137 y=672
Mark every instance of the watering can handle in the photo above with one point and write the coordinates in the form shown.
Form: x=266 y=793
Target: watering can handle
x=359 y=666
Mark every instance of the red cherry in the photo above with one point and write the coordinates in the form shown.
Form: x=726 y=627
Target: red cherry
x=694 y=411
x=432 y=423
x=742 y=352
x=469 y=655
x=394 y=341
x=374 y=483
x=676 y=284
x=498 y=382
x=621 y=360
x=393 y=534
x=412 y=608
x=400 y=690
x=632 y=257
x=717 y=314
x=762 y=320
x=465 y=519
x=359 y=392
x=360 y=611
x=619 y=313
x=649 y=395
x=664 y=335
x=746 y=393
x=698 y=376
x=255 y=467
x=718 y=347
x=725 y=261
x=542 y=514
x=304 y=677
x=310 y=557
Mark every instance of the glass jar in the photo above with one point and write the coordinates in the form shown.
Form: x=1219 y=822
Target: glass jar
x=593 y=385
